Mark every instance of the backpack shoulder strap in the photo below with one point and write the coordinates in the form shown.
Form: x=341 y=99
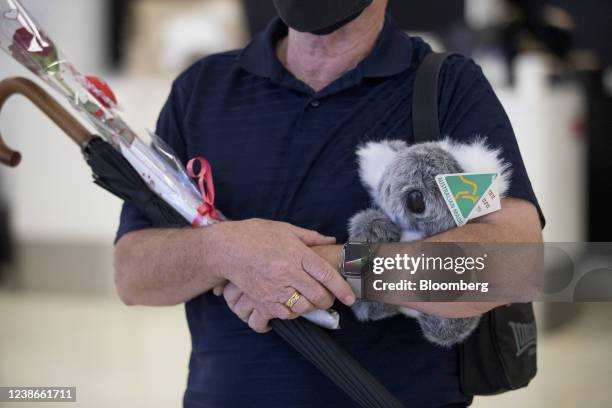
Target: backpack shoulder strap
x=425 y=115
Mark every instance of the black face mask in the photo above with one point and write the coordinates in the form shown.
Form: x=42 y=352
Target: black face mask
x=319 y=17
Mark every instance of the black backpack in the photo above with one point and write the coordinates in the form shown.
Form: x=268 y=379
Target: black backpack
x=500 y=355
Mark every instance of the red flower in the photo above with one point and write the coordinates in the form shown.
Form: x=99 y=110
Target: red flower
x=24 y=38
x=100 y=90
x=35 y=53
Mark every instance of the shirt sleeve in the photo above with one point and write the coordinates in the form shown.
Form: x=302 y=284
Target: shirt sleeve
x=470 y=108
x=169 y=129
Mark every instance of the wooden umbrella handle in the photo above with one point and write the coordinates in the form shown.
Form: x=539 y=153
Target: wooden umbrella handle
x=39 y=97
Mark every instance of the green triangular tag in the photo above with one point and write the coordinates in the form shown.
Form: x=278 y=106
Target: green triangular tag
x=465 y=193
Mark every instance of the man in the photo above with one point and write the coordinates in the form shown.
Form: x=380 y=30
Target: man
x=280 y=122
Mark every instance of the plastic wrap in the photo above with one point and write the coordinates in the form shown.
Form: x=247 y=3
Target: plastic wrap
x=27 y=42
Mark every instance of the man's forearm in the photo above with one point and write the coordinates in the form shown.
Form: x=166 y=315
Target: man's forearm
x=266 y=260
x=518 y=223
x=450 y=309
x=163 y=267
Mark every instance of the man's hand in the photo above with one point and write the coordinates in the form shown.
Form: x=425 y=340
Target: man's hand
x=249 y=311
x=268 y=261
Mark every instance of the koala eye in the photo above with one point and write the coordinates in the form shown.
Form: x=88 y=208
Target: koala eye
x=415 y=202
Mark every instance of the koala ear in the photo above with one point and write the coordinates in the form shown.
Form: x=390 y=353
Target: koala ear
x=373 y=159
x=477 y=157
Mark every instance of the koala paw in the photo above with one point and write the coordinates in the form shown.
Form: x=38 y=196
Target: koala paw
x=373 y=226
x=446 y=332
x=366 y=310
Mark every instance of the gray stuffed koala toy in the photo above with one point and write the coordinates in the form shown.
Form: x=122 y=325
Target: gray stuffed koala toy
x=408 y=206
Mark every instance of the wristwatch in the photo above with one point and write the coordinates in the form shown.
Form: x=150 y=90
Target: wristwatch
x=355 y=265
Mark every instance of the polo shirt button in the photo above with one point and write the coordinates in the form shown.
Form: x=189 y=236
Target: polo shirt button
x=315 y=104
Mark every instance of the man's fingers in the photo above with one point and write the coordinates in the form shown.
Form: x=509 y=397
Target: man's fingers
x=322 y=272
x=281 y=311
x=308 y=288
x=314 y=292
x=244 y=308
x=238 y=302
x=303 y=306
x=231 y=293
x=311 y=238
x=218 y=290
x=259 y=322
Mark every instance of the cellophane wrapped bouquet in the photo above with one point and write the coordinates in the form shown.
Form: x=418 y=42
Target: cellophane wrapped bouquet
x=28 y=43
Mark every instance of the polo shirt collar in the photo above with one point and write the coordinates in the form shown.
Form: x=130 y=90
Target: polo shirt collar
x=391 y=55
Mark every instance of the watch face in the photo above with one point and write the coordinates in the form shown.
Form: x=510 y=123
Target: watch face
x=356 y=258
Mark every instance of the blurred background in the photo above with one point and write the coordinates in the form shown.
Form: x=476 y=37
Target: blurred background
x=61 y=323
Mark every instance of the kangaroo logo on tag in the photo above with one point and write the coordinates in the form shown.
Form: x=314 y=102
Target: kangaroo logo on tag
x=469 y=195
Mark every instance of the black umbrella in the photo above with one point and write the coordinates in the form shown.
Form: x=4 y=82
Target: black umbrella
x=114 y=173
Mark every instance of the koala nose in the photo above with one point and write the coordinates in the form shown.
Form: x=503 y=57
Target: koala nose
x=415 y=202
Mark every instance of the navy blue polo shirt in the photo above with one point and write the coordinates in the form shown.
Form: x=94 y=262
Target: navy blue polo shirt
x=281 y=151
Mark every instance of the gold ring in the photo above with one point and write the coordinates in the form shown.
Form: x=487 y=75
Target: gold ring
x=293 y=299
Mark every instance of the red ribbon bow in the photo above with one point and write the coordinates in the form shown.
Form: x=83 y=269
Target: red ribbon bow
x=207 y=189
